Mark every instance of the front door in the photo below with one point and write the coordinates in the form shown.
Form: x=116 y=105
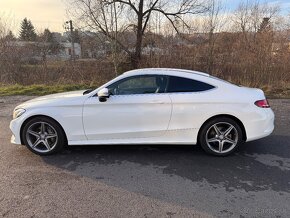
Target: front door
x=136 y=108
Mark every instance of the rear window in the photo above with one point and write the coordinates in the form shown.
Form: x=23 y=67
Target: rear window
x=180 y=84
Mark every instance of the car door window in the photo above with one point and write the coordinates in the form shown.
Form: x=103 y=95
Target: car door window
x=139 y=85
x=181 y=84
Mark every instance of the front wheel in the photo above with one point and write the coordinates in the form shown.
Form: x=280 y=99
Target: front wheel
x=43 y=136
x=220 y=136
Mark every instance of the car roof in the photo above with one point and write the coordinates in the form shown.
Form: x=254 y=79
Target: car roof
x=203 y=77
x=163 y=71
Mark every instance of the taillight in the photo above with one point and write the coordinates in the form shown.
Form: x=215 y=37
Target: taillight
x=262 y=103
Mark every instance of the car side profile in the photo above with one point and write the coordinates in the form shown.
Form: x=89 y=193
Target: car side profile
x=146 y=106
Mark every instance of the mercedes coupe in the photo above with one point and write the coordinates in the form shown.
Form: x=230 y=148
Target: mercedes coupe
x=146 y=106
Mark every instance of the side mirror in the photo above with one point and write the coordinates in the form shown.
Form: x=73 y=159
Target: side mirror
x=103 y=94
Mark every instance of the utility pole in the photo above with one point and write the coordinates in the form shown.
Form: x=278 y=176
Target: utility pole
x=71 y=28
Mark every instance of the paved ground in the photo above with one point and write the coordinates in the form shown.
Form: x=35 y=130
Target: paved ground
x=147 y=181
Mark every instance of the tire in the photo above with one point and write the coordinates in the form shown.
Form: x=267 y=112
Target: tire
x=220 y=136
x=43 y=136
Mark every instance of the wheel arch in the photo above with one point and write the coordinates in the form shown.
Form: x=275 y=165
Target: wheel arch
x=237 y=120
x=35 y=116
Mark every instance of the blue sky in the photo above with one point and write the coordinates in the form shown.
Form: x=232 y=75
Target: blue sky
x=284 y=4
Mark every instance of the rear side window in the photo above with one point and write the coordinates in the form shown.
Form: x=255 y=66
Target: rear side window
x=180 y=84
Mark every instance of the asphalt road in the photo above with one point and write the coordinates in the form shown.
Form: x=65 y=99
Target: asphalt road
x=147 y=181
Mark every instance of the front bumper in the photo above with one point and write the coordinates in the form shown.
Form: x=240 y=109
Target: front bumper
x=15 y=126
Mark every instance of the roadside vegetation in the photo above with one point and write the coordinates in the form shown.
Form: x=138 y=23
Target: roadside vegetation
x=250 y=46
x=39 y=90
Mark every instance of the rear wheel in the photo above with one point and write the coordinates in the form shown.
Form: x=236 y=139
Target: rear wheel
x=43 y=136
x=220 y=136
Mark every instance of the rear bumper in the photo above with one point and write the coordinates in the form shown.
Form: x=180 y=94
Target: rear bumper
x=262 y=125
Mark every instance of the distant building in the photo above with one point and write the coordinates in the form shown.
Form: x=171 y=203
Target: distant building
x=66 y=52
x=35 y=50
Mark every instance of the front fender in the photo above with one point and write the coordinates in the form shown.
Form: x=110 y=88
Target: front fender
x=69 y=117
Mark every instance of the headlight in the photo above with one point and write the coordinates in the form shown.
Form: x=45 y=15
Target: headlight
x=18 y=112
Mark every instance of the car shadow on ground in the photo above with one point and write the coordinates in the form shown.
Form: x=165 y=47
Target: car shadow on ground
x=259 y=165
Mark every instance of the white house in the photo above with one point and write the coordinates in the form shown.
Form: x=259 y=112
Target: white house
x=65 y=53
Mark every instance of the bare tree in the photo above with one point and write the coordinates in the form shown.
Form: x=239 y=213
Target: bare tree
x=9 y=54
x=213 y=25
x=249 y=14
x=139 y=12
x=253 y=22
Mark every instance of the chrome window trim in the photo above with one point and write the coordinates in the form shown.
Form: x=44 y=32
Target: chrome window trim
x=170 y=93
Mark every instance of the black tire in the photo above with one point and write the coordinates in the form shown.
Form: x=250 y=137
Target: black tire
x=52 y=136
x=220 y=144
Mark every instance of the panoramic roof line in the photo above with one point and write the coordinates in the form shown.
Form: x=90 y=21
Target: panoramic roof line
x=168 y=69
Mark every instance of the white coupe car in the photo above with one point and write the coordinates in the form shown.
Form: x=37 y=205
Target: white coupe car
x=146 y=106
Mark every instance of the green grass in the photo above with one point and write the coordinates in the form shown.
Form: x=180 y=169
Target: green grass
x=7 y=90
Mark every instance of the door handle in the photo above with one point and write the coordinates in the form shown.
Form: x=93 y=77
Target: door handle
x=157 y=102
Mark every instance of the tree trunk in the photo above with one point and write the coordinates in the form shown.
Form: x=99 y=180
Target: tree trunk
x=137 y=56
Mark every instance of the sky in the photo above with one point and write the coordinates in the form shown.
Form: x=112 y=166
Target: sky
x=284 y=4
x=52 y=13
x=42 y=13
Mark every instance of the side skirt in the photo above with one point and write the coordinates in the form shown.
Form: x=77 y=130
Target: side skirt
x=184 y=136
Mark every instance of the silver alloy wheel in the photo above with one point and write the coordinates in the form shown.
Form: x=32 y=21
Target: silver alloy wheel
x=41 y=137
x=222 y=137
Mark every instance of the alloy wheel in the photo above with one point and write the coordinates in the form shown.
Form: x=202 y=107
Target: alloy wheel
x=41 y=137
x=222 y=137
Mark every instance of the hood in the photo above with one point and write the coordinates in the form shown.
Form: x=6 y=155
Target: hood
x=59 y=95
x=54 y=99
